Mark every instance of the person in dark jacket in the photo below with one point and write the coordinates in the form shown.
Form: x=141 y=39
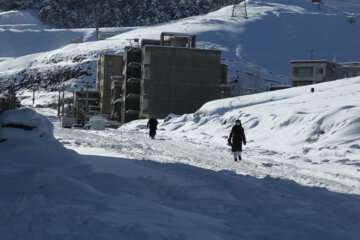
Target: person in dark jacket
x=237 y=139
x=152 y=125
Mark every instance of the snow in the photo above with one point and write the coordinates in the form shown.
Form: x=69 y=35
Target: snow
x=257 y=48
x=21 y=33
x=310 y=138
x=300 y=174
x=49 y=192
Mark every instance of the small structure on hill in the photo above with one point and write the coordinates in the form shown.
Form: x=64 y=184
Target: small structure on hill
x=305 y=72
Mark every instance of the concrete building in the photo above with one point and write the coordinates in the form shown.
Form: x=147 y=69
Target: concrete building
x=158 y=77
x=130 y=109
x=109 y=67
x=116 y=97
x=86 y=104
x=178 y=79
x=348 y=69
x=178 y=39
x=305 y=72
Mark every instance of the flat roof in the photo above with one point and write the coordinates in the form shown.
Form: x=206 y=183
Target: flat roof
x=179 y=34
x=182 y=48
x=311 y=61
x=352 y=64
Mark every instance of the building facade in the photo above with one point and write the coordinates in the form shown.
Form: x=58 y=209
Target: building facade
x=305 y=72
x=110 y=67
x=178 y=80
x=158 y=77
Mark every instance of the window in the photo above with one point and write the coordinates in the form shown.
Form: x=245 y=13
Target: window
x=303 y=71
x=320 y=71
x=146 y=72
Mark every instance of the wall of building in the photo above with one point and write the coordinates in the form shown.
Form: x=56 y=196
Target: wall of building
x=108 y=67
x=316 y=71
x=178 y=80
x=131 y=88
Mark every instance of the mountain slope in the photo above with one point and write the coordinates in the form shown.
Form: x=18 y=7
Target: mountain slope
x=21 y=33
x=257 y=49
x=113 y=13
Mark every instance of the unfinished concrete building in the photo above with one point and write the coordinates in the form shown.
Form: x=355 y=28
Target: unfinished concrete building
x=169 y=75
x=116 y=97
x=348 y=69
x=86 y=104
x=158 y=77
x=305 y=72
x=131 y=86
x=110 y=69
x=178 y=79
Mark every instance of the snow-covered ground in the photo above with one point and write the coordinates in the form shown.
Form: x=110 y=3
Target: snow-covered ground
x=258 y=47
x=311 y=138
x=126 y=186
x=300 y=174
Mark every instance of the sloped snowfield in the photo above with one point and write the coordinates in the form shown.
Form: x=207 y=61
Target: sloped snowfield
x=126 y=186
x=258 y=46
x=22 y=33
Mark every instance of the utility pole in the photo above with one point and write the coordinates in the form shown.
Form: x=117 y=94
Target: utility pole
x=63 y=100
x=59 y=102
x=98 y=14
x=87 y=100
x=311 y=51
x=246 y=14
x=33 y=97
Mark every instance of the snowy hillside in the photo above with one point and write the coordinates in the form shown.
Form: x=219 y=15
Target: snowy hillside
x=110 y=13
x=257 y=48
x=49 y=192
x=21 y=33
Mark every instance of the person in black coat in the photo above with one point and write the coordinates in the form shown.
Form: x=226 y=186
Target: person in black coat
x=152 y=125
x=237 y=139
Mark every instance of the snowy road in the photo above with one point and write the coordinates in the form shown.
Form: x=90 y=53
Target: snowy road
x=49 y=192
x=258 y=162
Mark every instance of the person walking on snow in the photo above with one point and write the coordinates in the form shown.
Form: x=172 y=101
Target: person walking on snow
x=236 y=139
x=152 y=125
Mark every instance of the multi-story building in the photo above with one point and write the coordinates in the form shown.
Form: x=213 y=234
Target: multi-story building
x=178 y=79
x=110 y=67
x=305 y=72
x=159 y=77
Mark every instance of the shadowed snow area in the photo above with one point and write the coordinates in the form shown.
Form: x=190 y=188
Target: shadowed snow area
x=49 y=192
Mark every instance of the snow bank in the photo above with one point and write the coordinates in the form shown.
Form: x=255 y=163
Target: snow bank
x=333 y=109
x=49 y=192
x=319 y=131
x=27 y=120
